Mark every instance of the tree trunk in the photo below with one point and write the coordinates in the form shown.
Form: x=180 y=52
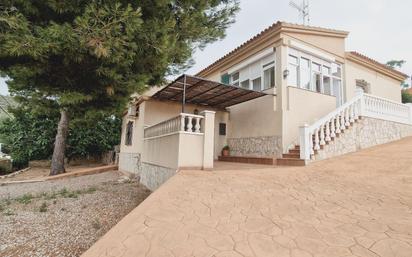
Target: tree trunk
x=57 y=163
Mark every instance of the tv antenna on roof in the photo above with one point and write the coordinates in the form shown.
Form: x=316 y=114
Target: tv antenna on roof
x=303 y=9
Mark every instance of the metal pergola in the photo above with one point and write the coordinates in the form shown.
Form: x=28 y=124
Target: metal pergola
x=199 y=91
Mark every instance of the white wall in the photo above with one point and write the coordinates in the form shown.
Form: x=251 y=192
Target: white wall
x=304 y=106
x=379 y=84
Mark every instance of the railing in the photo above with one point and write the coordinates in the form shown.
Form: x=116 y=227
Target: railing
x=183 y=123
x=313 y=137
x=381 y=108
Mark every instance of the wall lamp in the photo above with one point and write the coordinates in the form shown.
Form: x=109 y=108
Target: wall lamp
x=285 y=74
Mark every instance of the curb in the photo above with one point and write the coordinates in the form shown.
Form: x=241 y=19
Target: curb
x=78 y=173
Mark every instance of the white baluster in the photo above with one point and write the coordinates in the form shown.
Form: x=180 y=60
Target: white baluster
x=332 y=128
x=322 y=135
x=197 y=126
x=327 y=132
x=182 y=123
x=317 y=146
x=189 y=124
x=351 y=114
x=311 y=144
x=347 y=118
x=342 y=121
x=337 y=124
x=356 y=109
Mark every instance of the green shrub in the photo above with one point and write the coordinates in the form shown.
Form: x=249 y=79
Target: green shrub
x=25 y=199
x=43 y=207
x=30 y=136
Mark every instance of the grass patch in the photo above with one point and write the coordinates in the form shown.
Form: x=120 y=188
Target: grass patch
x=63 y=193
x=9 y=212
x=25 y=199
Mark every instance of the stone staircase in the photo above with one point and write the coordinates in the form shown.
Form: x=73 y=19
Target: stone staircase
x=292 y=158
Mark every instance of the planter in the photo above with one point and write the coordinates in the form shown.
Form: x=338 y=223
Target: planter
x=225 y=152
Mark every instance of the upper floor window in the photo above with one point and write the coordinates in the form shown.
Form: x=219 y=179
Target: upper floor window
x=129 y=133
x=258 y=75
x=268 y=75
x=293 y=65
x=234 y=79
x=314 y=74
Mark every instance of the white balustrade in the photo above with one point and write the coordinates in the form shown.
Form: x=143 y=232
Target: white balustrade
x=324 y=130
x=185 y=122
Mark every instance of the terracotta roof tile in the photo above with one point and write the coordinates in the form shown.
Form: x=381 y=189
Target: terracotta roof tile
x=368 y=59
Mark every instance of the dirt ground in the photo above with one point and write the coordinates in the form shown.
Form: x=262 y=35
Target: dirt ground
x=64 y=217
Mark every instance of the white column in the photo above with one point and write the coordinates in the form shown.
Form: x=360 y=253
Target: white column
x=304 y=141
x=208 y=139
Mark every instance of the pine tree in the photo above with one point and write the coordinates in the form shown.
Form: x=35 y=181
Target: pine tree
x=84 y=55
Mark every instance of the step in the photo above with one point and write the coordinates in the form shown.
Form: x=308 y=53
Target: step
x=291 y=155
x=296 y=151
x=297 y=147
x=290 y=162
x=242 y=159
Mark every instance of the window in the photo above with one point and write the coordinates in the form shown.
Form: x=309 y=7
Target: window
x=336 y=70
x=362 y=86
x=337 y=91
x=234 y=79
x=316 y=77
x=326 y=70
x=225 y=79
x=269 y=75
x=257 y=84
x=245 y=84
x=222 y=129
x=293 y=65
x=129 y=133
x=305 y=73
x=326 y=85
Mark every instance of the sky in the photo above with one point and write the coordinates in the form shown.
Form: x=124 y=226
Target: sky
x=380 y=29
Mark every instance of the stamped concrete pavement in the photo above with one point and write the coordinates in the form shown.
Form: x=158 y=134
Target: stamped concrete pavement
x=355 y=205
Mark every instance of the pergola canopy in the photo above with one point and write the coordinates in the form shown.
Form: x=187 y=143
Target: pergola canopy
x=200 y=91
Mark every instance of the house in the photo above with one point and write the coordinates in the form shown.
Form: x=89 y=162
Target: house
x=290 y=95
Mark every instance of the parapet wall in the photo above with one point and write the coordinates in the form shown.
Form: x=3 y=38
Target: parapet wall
x=366 y=132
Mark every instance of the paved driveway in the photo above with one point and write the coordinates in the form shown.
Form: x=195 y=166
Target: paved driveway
x=356 y=205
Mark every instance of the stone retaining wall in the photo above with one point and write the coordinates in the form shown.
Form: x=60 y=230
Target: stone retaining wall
x=365 y=133
x=266 y=146
x=153 y=176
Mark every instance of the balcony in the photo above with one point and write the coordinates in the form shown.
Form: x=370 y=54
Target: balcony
x=182 y=142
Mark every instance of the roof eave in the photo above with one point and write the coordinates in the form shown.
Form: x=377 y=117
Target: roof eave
x=365 y=61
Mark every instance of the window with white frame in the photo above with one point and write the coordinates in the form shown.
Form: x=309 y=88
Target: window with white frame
x=257 y=84
x=316 y=77
x=309 y=72
x=258 y=76
x=293 y=66
x=268 y=75
x=305 y=73
x=234 y=79
x=245 y=84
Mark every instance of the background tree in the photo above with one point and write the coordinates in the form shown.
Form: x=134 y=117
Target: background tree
x=398 y=64
x=406 y=96
x=85 y=55
x=29 y=135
